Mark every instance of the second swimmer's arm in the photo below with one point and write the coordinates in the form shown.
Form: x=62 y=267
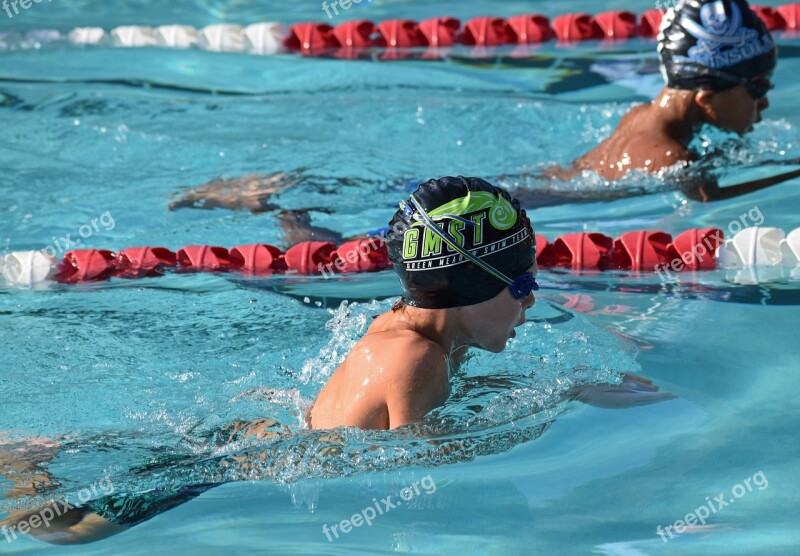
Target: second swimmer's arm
x=706 y=188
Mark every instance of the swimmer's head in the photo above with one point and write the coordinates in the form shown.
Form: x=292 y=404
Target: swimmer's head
x=716 y=45
x=494 y=244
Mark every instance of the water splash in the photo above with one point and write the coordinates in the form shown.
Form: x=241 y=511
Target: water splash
x=497 y=402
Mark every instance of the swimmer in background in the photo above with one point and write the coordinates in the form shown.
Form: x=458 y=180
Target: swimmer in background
x=400 y=369
x=717 y=58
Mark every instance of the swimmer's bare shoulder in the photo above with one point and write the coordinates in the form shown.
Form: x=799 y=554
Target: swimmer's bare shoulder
x=392 y=376
x=636 y=143
x=653 y=152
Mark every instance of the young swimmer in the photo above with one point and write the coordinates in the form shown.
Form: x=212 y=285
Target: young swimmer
x=452 y=300
x=717 y=58
x=465 y=254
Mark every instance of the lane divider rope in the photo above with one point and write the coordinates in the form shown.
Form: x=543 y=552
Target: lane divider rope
x=696 y=249
x=352 y=39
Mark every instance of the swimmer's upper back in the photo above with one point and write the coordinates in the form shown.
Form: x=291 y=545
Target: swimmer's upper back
x=637 y=143
x=392 y=376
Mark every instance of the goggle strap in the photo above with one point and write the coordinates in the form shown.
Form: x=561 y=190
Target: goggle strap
x=743 y=81
x=454 y=217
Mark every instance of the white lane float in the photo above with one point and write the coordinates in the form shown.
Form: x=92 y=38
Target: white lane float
x=133 y=36
x=222 y=38
x=176 y=36
x=26 y=269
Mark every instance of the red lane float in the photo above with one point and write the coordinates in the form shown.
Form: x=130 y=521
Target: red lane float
x=576 y=27
x=86 y=265
x=790 y=13
x=309 y=257
x=694 y=245
x=440 y=32
x=203 y=258
x=650 y=23
x=496 y=31
x=583 y=250
x=617 y=24
x=531 y=29
x=355 y=34
x=770 y=17
x=363 y=255
x=258 y=259
x=311 y=37
x=487 y=31
x=644 y=250
x=400 y=33
x=545 y=252
x=134 y=262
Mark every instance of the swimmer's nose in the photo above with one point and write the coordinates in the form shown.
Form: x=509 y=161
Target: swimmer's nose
x=529 y=301
x=763 y=104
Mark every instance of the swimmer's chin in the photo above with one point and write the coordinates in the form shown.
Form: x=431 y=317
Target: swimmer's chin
x=501 y=346
x=743 y=132
x=491 y=348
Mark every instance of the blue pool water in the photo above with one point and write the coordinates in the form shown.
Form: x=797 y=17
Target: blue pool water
x=129 y=372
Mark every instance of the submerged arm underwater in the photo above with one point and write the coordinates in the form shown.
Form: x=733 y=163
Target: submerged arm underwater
x=707 y=190
x=254 y=192
x=266 y=450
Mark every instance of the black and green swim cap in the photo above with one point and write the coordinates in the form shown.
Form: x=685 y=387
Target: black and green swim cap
x=482 y=219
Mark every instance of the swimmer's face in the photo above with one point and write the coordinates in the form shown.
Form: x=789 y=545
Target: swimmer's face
x=491 y=324
x=734 y=109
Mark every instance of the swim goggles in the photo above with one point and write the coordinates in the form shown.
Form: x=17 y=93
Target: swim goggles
x=757 y=88
x=520 y=287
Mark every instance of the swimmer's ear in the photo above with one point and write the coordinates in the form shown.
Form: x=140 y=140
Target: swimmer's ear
x=704 y=99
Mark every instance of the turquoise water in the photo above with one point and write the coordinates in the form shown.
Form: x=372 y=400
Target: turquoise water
x=138 y=371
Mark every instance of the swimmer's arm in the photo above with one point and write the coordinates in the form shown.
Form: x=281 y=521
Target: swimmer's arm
x=62 y=523
x=249 y=192
x=706 y=188
x=633 y=391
